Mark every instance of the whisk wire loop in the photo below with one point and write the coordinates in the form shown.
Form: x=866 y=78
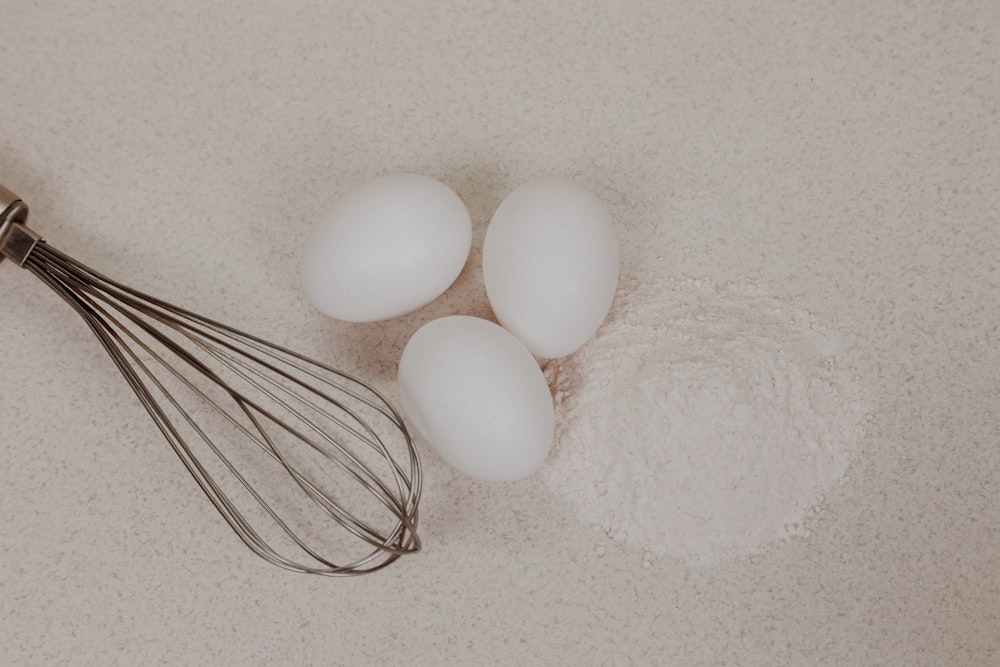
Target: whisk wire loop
x=311 y=420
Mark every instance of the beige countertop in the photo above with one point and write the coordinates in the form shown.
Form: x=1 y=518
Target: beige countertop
x=842 y=155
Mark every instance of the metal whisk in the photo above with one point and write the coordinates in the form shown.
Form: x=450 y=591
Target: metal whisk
x=281 y=444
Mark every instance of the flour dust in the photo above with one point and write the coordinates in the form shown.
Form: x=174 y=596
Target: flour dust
x=703 y=421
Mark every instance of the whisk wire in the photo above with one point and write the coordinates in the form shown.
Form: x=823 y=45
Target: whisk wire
x=131 y=325
x=368 y=479
x=112 y=343
x=121 y=352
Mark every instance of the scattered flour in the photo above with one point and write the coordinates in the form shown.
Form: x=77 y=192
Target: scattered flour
x=702 y=421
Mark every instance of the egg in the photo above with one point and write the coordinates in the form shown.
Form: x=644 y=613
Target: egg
x=550 y=264
x=476 y=395
x=388 y=247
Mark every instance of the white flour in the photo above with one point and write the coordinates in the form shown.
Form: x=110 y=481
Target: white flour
x=703 y=421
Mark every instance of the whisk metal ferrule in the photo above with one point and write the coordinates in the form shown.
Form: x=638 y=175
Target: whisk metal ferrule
x=16 y=240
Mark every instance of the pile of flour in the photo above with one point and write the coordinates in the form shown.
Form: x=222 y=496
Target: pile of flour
x=702 y=421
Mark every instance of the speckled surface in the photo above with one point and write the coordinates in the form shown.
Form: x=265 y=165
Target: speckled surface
x=843 y=155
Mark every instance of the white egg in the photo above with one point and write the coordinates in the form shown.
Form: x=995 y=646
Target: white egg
x=550 y=263
x=475 y=394
x=392 y=245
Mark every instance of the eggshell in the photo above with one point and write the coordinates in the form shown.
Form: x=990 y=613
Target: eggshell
x=550 y=263
x=390 y=246
x=475 y=394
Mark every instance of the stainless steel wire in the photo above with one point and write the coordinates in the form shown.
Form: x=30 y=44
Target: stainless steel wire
x=303 y=461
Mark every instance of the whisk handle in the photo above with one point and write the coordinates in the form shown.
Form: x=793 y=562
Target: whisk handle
x=16 y=240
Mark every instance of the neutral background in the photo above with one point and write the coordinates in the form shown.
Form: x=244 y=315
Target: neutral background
x=845 y=155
